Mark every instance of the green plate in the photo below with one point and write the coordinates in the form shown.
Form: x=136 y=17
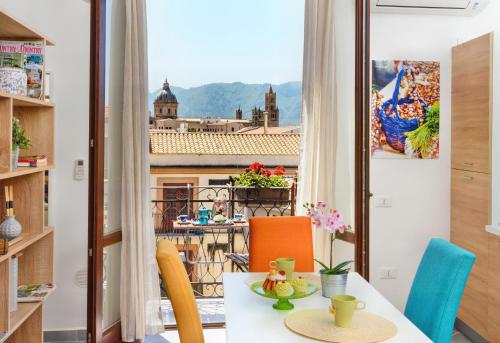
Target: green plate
x=283 y=303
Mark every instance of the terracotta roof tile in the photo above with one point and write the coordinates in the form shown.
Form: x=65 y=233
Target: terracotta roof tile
x=175 y=143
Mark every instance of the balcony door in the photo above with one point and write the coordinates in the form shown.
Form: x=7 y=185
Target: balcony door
x=106 y=87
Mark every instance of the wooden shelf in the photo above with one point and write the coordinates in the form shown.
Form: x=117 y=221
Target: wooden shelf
x=24 y=171
x=24 y=310
x=35 y=264
x=24 y=243
x=24 y=101
x=14 y=29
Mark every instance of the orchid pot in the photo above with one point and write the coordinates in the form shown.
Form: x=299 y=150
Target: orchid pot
x=333 y=278
x=332 y=284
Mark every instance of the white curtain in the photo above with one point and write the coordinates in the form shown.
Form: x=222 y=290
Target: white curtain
x=140 y=292
x=319 y=115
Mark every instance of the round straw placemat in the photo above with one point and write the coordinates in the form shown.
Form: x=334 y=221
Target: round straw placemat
x=319 y=324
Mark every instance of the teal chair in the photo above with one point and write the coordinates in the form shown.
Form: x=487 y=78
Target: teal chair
x=437 y=289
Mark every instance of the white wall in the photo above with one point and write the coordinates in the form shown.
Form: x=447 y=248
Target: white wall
x=420 y=189
x=66 y=22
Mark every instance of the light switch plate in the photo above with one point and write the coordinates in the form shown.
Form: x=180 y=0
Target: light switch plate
x=384 y=202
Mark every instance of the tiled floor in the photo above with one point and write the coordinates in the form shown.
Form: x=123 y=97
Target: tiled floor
x=459 y=338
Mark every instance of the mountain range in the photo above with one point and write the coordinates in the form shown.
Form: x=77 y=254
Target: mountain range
x=220 y=100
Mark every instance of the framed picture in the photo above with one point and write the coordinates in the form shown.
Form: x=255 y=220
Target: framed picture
x=405 y=109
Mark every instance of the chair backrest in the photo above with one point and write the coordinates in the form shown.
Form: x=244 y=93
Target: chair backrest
x=273 y=237
x=437 y=289
x=180 y=292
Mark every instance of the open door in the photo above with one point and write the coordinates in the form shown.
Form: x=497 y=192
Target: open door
x=103 y=318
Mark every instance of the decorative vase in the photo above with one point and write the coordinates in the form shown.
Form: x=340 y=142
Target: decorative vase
x=332 y=284
x=15 y=158
x=10 y=228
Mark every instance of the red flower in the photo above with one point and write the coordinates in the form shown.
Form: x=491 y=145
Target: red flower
x=279 y=171
x=247 y=170
x=265 y=172
x=256 y=167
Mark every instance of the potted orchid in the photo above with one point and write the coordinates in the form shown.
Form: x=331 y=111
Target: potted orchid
x=333 y=278
x=263 y=185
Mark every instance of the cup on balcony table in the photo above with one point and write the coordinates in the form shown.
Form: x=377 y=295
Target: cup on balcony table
x=182 y=218
x=239 y=217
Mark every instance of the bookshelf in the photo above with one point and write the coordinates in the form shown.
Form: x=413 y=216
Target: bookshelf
x=34 y=250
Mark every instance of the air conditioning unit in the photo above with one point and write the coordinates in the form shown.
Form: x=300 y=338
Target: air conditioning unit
x=439 y=7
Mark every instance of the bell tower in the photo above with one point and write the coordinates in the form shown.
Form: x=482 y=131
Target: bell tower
x=272 y=108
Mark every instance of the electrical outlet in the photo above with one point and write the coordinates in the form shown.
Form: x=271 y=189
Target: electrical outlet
x=383 y=202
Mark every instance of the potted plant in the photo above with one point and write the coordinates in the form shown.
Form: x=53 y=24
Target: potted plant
x=260 y=184
x=19 y=141
x=333 y=277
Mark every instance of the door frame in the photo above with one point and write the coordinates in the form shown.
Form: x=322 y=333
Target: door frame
x=96 y=170
x=362 y=192
x=96 y=240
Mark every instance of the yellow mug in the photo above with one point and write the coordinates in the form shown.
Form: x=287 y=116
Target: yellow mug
x=287 y=264
x=343 y=307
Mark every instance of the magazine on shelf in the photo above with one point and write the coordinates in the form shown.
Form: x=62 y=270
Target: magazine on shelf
x=28 y=56
x=34 y=292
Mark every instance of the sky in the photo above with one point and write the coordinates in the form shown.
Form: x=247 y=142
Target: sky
x=195 y=42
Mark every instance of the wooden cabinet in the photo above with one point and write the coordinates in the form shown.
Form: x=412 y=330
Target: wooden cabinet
x=469 y=216
x=471 y=105
x=471 y=180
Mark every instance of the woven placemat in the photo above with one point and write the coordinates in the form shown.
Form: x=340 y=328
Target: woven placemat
x=319 y=324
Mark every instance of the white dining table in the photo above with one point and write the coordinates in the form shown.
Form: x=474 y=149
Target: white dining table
x=251 y=318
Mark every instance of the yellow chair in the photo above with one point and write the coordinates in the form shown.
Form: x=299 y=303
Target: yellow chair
x=180 y=292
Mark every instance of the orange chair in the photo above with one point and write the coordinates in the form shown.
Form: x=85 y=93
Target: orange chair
x=180 y=292
x=273 y=237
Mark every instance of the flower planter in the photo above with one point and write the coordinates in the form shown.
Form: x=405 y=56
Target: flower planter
x=333 y=284
x=268 y=196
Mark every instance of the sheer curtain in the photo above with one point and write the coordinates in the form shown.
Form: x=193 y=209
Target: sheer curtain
x=140 y=291
x=319 y=114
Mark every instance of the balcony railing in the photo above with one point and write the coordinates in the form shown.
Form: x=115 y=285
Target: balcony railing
x=205 y=249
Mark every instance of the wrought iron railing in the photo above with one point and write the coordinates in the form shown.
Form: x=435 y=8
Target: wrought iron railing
x=205 y=249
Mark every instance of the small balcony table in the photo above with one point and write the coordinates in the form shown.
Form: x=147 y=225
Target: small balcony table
x=250 y=318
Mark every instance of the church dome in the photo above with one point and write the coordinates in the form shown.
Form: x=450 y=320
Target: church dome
x=166 y=95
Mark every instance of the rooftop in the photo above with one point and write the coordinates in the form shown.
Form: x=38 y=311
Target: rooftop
x=175 y=143
x=279 y=130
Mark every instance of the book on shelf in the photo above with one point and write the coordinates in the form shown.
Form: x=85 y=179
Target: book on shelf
x=34 y=292
x=32 y=161
x=29 y=56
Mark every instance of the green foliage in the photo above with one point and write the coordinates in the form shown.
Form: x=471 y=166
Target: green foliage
x=252 y=179
x=340 y=268
x=19 y=138
x=421 y=138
